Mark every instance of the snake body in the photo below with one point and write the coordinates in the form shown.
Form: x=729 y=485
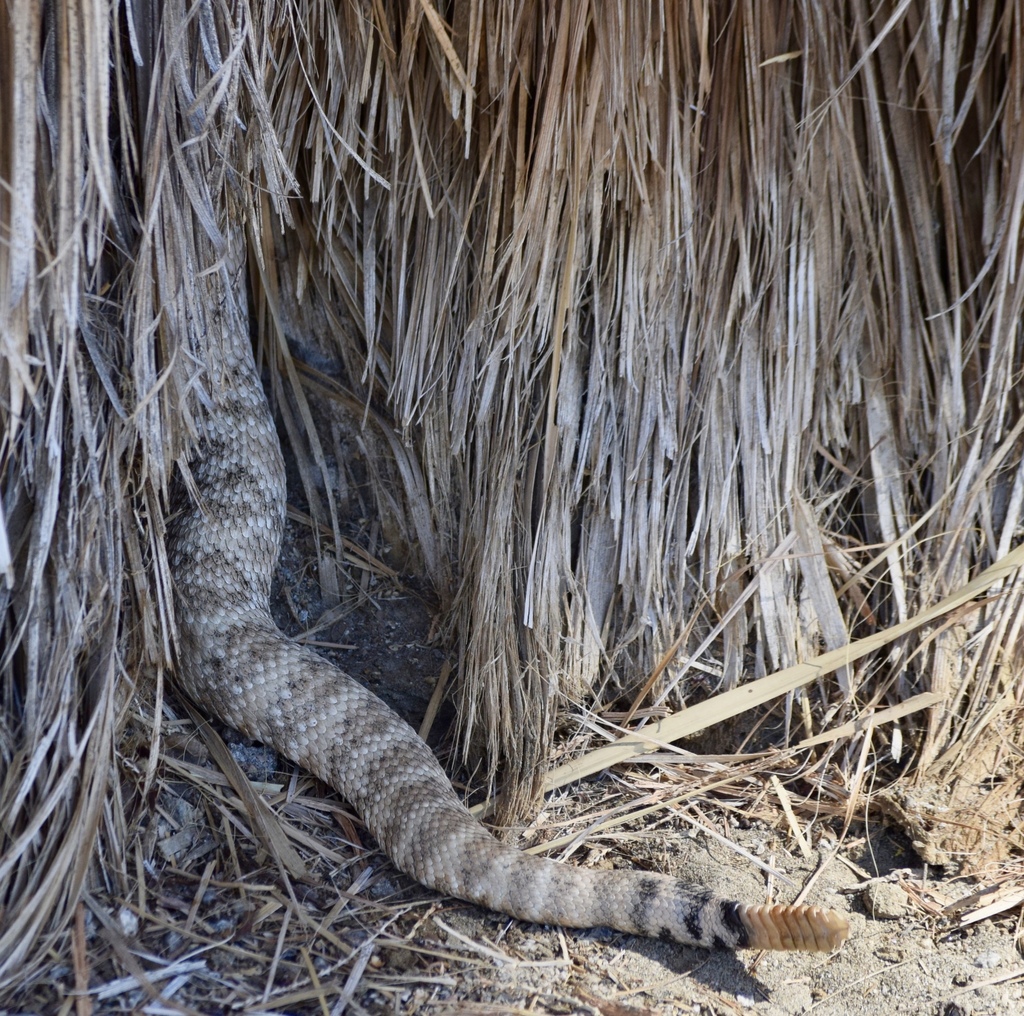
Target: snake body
x=223 y=540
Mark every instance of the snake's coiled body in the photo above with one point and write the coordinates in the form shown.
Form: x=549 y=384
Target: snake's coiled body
x=223 y=541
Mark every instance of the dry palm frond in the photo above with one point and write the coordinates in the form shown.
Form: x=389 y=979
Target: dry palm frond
x=653 y=298
x=99 y=283
x=685 y=341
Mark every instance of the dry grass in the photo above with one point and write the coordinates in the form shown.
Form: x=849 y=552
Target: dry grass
x=683 y=344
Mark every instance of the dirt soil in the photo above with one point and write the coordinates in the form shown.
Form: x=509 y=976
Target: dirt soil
x=898 y=964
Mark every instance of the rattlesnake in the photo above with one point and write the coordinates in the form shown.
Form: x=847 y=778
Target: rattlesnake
x=223 y=539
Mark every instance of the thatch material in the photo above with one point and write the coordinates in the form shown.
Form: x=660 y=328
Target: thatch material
x=671 y=305
x=673 y=320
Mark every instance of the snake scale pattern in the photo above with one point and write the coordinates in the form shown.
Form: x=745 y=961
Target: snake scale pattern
x=223 y=540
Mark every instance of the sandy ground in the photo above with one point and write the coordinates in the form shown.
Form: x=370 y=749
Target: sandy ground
x=906 y=964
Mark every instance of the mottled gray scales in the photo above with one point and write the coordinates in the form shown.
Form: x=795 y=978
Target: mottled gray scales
x=223 y=541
